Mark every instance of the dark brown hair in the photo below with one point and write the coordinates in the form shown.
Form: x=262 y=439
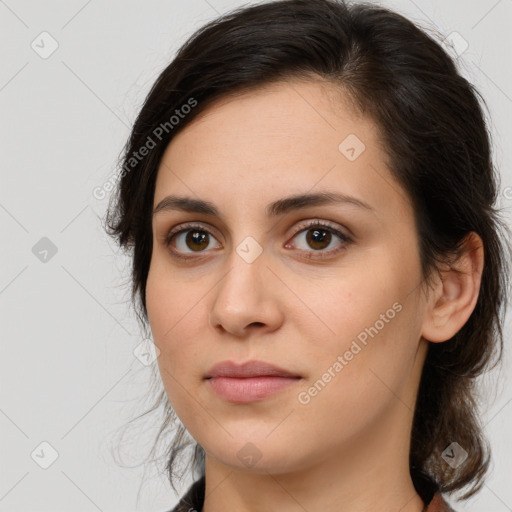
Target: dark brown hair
x=433 y=129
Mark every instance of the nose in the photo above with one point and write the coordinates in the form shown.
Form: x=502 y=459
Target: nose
x=247 y=298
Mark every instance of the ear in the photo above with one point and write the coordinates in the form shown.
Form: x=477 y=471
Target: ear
x=455 y=292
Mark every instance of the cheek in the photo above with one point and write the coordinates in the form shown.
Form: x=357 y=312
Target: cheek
x=168 y=300
x=360 y=373
x=368 y=324
x=173 y=313
x=350 y=305
x=168 y=307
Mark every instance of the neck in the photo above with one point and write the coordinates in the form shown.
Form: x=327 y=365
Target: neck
x=367 y=474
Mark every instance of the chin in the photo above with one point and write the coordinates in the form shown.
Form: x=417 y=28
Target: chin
x=259 y=454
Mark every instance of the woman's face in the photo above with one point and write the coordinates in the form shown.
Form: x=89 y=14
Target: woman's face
x=338 y=305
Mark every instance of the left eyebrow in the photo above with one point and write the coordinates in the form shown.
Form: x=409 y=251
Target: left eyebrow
x=274 y=209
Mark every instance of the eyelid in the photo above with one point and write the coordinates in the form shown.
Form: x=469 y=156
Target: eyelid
x=320 y=255
x=186 y=226
x=310 y=223
x=181 y=228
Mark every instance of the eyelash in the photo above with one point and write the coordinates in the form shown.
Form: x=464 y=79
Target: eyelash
x=311 y=224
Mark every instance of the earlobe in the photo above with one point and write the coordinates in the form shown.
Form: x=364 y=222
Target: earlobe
x=455 y=293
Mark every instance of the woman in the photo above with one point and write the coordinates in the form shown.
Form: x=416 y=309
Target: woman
x=309 y=195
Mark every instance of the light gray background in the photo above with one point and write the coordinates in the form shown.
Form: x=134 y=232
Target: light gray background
x=68 y=371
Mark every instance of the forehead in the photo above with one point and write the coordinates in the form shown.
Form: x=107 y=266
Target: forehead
x=288 y=137
x=277 y=116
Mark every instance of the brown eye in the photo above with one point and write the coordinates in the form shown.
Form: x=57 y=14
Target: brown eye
x=196 y=240
x=190 y=239
x=318 y=238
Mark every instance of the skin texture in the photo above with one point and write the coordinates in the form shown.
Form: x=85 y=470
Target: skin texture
x=347 y=448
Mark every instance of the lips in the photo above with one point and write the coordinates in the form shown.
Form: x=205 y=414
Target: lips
x=248 y=382
x=247 y=370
